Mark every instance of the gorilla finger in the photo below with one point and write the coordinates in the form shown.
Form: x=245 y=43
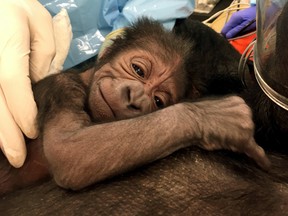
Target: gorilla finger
x=258 y=154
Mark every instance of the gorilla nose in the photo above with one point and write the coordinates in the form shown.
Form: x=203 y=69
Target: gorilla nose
x=137 y=101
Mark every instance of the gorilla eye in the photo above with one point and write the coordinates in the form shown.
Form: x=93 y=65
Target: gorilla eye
x=138 y=70
x=159 y=103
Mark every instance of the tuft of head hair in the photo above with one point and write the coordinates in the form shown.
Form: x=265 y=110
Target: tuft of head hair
x=149 y=35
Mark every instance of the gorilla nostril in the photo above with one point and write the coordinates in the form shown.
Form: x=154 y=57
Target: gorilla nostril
x=133 y=107
x=134 y=96
x=128 y=94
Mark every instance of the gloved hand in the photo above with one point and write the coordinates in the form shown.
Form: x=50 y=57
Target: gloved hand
x=27 y=48
x=240 y=22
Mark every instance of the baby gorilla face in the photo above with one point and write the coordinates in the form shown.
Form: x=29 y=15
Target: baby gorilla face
x=134 y=83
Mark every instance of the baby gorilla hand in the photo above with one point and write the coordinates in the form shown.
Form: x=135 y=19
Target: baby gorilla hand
x=227 y=124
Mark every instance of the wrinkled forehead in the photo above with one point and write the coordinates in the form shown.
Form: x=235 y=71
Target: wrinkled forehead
x=167 y=53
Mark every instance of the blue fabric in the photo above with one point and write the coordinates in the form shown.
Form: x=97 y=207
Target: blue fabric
x=92 y=20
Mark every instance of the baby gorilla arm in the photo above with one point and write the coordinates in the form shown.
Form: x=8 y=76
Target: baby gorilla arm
x=80 y=152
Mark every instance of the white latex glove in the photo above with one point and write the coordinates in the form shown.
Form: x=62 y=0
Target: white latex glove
x=27 y=48
x=63 y=37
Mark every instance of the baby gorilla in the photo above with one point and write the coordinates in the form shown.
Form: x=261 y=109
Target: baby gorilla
x=126 y=112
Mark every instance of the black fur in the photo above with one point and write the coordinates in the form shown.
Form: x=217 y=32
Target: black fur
x=213 y=70
x=213 y=63
x=61 y=87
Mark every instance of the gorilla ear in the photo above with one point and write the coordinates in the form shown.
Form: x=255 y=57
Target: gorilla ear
x=109 y=40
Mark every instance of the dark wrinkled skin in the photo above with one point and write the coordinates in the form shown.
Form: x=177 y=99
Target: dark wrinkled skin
x=188 y=182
